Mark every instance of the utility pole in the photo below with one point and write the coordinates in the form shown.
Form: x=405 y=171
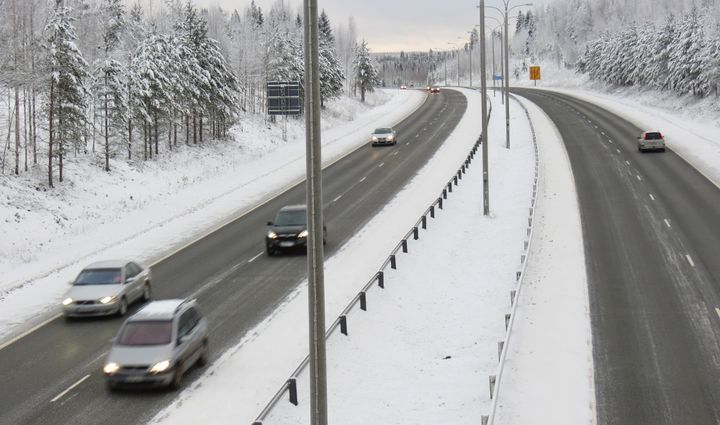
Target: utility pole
x=316 y=284
x=507 y=81
x=483 y=91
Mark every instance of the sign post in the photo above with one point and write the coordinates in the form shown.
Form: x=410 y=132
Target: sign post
x=535 y=73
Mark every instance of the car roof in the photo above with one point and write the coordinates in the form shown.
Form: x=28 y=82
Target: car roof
x=383 y=130
x=107 y=264
x=159 y=310
x=297 y=207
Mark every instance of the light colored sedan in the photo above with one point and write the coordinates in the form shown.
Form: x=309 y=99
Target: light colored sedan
x=107 y=287
x=384 y=136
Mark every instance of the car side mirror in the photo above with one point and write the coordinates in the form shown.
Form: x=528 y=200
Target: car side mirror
x=183 y=339
x=269 y=223
x=71 y=282
x=129 y=279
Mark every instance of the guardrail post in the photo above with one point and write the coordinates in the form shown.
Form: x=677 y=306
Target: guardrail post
x=463 y=169
x=444 y=194
x=440 y=200
x=500 y=348
x=415 y=231
x=484 y=419
x=381 y=279
x=392 y=261
x=424 y=222
x=512 y=296
x=507 y=320
x=450 y=185
x=454 y=181
x=517 y=275
x=404 y=245
x=363 y=301
x=343 y=324
x=492 y=385
x=460 y=173
x=292 y=391
x=432 y=211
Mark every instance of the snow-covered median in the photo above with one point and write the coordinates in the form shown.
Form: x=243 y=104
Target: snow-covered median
x=142 y=211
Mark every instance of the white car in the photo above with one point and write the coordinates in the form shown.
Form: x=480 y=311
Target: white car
x=651 y=140
x=107 y=287
x=383 y=136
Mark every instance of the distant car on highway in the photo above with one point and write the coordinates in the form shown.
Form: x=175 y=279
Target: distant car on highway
x=107 y=287
x=289 y=230
x=403 y=87
x=651 y=140
x=384 y=136
x=434 y=89
x=157 y=345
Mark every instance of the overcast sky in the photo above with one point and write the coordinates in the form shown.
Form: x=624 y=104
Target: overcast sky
x=395 y=25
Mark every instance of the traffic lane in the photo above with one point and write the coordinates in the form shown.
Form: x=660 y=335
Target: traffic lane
x=269 y=293
x=685 y=185
x=649 y=306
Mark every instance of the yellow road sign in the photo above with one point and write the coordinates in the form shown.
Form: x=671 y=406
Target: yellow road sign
x=535 y=73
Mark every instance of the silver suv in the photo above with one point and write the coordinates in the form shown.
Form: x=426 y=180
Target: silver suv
x=157 y=345
x=651 y=140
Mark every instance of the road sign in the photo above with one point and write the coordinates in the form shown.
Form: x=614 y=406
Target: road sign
x=534 y=73
x=283 y=98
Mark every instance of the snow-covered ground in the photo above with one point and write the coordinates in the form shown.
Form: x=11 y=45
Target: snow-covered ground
x=144 y=210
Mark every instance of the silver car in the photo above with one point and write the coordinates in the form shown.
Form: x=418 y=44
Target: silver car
x=107 y=287
x=383 y=136
x=651 y=140
x=157 y=345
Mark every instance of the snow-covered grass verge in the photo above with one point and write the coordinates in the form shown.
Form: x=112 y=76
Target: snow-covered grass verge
x=145 y=209
x=423 y=351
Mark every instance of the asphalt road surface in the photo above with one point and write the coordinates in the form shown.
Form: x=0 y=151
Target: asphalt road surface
x=53 y=375
x=651 y=226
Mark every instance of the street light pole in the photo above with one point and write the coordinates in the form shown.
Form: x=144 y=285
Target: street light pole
x=316 y=278
x=483 y=91
x=507 y=81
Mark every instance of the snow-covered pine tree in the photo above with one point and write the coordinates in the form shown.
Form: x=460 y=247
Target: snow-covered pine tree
x=109 y=89
x=68 y=95
x=365 y=72
x=684 y=59
x=332 y=77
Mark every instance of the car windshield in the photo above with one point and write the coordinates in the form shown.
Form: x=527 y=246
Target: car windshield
x=146 y=333
x=99 y=277
x=383 y=130
x=653 y=136
x=290 y=218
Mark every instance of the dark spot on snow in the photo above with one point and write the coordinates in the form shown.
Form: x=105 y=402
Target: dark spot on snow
x=447 y=357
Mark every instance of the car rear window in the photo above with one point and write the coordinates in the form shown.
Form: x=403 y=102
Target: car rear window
x=290 y=218
x=146 y=333
x=99 y=277
x=654 y=135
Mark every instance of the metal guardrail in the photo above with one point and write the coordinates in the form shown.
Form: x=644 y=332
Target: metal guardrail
x=514 y=294
x=290 y=386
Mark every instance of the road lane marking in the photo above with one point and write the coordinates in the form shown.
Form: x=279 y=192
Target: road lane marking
x=638 y=177
x=652 y=197
x=595 y=126
x=407 y=143
x=667 y=222
x=362 y=179
x=70 y=388
x=602 y=132
x=396 y=152
x=690 y=260
x=618 y=150
x=337 y=198
x=610 y=140
x=255 y=257
x=627 y=162
x=29 y=331
x=717 y=310
x=381 y=164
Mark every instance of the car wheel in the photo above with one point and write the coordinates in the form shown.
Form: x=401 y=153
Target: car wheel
x=176 y=382
x=122 y=309
x=147 y=292
x=110 y=386
x=204 y=355
x=269 y=251
x=662 y=150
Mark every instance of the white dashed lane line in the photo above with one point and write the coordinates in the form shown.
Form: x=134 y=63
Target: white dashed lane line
x=610 y=140
x=255 y=257
x=717 y=310
x=381 y=164
x=362 y=179
x=396 y=152
x=638 y=177
x=70 y=388
x=690 y=260
x=627 y=162
x=652 y=198
x=407 y=143
x=337 y=198
x=618 y=150
x=667 y=222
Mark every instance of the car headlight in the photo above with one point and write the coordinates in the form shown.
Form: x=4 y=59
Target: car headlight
x=272 y=235
x=390 y=137
x=67 y=301
x=111 y=368
x=374 y=138
x=106 y=300
x=303 y=234
x=160 y=367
